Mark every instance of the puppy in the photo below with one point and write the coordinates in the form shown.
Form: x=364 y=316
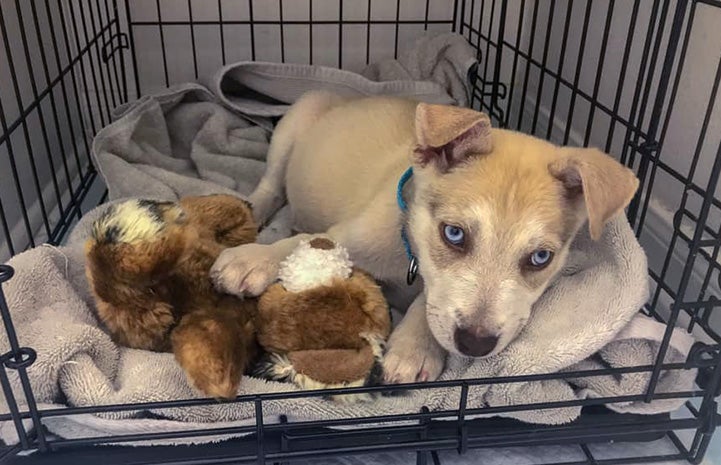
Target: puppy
x=489 y=220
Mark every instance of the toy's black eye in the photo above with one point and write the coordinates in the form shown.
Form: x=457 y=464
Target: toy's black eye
x=453 y=235
x=540 y=259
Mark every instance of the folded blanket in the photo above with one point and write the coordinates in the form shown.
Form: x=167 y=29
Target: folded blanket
x=190 y=140
x=196 y=140
x=435 y=70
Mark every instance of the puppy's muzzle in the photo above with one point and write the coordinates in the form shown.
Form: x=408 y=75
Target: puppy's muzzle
x=474 y=341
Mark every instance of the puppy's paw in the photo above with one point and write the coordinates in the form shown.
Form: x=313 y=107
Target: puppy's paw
x=246 y=270
x=411 y=360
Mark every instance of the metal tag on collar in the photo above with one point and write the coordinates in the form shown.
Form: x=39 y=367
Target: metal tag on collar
x=412 y=271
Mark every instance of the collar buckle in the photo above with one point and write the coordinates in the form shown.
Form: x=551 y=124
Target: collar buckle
x=412 y=271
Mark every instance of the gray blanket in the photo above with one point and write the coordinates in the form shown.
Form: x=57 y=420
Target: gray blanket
x=194 y=139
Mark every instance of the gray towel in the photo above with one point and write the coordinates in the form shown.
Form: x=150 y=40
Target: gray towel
x=190 y=140
x=435 y=70
x=79 y=365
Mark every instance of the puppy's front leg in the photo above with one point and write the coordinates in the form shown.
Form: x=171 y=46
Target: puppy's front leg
x=413 y=353
x=248 y=270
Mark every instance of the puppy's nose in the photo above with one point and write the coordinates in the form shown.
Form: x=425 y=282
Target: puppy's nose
x=474 y=343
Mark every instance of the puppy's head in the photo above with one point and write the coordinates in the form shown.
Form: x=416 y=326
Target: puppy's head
x=493 y=215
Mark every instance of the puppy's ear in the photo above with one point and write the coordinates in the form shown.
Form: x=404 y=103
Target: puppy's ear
x=606 y=185
x=449 y=135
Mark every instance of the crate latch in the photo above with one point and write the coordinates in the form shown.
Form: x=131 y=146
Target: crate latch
x=117 y=42
x=705 y=357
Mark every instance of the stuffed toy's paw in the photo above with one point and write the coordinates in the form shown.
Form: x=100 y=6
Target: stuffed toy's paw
x=328 y=369
x=212 y=347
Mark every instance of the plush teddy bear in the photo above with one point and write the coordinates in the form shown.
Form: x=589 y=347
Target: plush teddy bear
x=324 y=323
x=148 y=264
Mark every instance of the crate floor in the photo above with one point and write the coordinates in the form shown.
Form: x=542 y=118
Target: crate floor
x=492 y=456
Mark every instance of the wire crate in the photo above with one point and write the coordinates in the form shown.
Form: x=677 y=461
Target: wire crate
x=637 y=78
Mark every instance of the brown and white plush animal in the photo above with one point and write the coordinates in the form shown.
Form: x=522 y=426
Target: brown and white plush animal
x=148 y=263
x=490 y=216
x=324 y=323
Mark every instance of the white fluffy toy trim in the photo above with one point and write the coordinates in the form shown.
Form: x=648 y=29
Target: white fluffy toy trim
x=308 y=267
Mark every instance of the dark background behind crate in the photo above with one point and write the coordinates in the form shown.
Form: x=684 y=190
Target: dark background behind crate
x=638 y=79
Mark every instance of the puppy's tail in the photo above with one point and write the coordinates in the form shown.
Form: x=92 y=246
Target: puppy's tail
x=269 y=195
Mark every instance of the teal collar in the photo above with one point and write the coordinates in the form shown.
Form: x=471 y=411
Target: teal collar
x=412 y=261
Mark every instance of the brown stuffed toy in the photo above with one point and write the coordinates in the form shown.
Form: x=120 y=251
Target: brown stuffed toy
x=148 y=263
x=324 y=324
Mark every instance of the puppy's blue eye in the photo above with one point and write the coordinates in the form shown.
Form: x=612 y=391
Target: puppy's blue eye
x=454 y=235
x=541 y=258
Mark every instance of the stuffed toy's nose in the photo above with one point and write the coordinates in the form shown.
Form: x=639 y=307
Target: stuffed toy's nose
x=322 y=243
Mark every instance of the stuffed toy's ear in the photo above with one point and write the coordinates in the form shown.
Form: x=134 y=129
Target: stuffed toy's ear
x=227 y=218
x=139 y=263
x=327 y=369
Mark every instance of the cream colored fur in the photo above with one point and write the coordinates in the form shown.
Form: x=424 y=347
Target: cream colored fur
x=132 y=222
x=338 y=163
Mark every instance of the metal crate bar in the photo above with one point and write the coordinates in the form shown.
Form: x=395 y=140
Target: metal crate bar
x=88 y=37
